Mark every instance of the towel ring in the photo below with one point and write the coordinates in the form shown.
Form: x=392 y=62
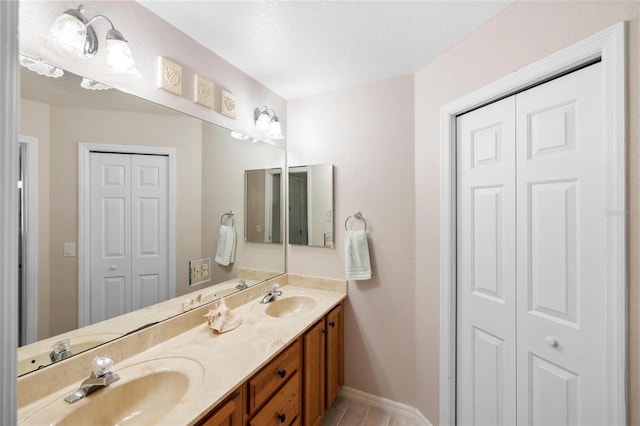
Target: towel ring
x=230 y=215
x=355 y=215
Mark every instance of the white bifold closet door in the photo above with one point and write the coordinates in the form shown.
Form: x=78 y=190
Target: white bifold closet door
x=129 y=233
x=531 y=176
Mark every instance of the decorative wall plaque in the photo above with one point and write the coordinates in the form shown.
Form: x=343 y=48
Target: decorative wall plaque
x=169 y=76
x=203 y=91
x=228 y=104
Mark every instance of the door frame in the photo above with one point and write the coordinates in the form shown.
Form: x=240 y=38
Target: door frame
x=84 y=213
x=31 y=200
x=607 y=45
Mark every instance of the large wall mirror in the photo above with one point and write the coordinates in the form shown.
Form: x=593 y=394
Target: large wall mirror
x=207 y=166
x=311 y=205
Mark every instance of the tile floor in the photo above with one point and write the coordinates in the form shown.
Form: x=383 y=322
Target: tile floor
x=347 y=413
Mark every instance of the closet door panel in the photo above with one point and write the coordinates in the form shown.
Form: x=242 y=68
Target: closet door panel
x=150 y=236
x=111 y=236
x=561 y=178
x=486 y=266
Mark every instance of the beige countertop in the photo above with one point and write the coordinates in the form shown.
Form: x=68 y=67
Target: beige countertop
x=216 y=364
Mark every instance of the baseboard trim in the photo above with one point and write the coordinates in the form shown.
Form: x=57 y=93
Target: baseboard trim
x=365 y=398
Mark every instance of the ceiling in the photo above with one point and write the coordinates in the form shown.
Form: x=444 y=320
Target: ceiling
x=304 y=48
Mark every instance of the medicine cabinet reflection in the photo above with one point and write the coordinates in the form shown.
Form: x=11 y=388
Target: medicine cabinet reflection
x=311 y=205
x=263 y=204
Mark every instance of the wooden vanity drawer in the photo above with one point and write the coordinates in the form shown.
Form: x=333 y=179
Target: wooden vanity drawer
x=274 y=375
x=283 y=408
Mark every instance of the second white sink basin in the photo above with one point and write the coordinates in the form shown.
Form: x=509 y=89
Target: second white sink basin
x=289 y=306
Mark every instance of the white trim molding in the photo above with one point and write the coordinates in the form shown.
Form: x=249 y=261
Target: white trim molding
x=9 y=83
x=387 y=405
x=31 y=226
x=609 y=47
x=84 y=237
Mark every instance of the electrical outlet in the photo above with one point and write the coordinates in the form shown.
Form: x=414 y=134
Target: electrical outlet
x=199 y=271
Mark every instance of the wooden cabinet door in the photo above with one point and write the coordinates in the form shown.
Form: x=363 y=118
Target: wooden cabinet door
x=334 y=354
x=314 y=374
x=228 y=413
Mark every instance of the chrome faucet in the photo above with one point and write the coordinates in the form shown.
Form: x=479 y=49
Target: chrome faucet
x=272 y=295
x=61 y=350
x=242 y=285
x=100 y=377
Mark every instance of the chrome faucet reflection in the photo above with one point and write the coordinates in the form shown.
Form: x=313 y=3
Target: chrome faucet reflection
x=272 y=295
x=242 y=285
x=100 y=377
x=61 y=350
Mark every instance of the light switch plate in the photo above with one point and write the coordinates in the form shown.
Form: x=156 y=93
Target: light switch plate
x=199 y=271
x=69 y=249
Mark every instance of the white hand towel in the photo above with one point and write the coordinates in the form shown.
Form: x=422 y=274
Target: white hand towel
x=226 y=253
x=356 y=251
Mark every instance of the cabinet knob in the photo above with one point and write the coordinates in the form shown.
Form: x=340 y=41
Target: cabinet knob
x=332 y=324
x=551 y=341
x=282 y=417
x=112 y=267
x=324 y=331
x=282 y=373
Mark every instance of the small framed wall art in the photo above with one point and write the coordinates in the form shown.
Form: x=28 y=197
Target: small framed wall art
x=228 y=104
x=169 y=76
x=203 y=91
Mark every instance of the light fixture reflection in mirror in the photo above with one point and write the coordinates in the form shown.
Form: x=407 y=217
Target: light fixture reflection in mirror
x=267 y=123
x=311 y=205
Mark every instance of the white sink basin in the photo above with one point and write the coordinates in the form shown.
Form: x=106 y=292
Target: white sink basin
x=289 y=306
x=147 y=393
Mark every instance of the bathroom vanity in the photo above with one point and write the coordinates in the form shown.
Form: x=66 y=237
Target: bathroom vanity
x=297 y=386
x=283 y=365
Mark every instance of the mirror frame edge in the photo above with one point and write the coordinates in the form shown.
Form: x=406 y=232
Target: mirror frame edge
x=9 y=82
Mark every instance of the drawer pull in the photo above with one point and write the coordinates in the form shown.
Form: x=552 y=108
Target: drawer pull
x=282 y=373
x=282 y=417
x=324 y=331
x=332 y=324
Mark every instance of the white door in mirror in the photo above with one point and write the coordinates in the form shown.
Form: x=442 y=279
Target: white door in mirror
x=129 y=233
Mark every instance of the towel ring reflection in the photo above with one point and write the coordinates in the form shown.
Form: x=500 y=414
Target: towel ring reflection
x=355 y=215
x=230 y=215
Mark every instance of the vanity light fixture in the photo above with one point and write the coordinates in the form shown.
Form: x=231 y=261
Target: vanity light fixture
x=267 y=122
x=74 y=34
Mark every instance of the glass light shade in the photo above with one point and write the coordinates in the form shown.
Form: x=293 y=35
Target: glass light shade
x=69 y=33
x=276 y=130
x=120 y=59
x=263 y=123
x=89 y=84
x=239 y=136
x=40 y=67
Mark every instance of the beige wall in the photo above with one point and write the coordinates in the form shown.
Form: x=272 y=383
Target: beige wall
x=367 y=133
x=521 y=34
x=34 y=122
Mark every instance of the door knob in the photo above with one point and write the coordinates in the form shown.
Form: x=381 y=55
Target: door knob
x=551 y=341
x=112 y=267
